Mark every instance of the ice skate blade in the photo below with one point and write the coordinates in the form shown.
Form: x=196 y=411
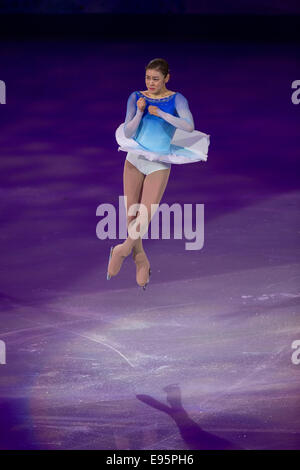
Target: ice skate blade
x=108 y=277
x=144 y=286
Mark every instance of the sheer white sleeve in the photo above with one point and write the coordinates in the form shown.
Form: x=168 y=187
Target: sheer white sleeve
x=185 y=120
x=133 y=116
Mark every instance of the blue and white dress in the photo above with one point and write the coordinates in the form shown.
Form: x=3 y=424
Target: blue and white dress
x=170 y=137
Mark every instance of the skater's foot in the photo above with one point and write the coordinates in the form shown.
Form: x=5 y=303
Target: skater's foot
x=142 y=267
x=118 y=254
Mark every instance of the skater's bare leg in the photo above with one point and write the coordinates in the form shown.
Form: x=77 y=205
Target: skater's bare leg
x=153 y=189
x=132 y=185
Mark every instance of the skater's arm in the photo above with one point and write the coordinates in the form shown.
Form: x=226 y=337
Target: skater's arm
x=185 y=120
x=133 y=117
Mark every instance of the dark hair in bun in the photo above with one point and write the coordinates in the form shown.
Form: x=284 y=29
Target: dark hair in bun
x=159 y=64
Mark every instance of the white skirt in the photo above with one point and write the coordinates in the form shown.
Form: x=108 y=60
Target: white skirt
x=186 y=147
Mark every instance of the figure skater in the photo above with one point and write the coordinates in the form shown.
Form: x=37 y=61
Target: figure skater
x=158 y=131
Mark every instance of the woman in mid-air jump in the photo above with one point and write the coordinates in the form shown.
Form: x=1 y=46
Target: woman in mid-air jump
x=152 y=118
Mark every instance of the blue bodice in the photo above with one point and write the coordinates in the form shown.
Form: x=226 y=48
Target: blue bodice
x=153 y=132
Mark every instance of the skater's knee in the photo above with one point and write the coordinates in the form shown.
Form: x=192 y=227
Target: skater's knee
x=130 y=218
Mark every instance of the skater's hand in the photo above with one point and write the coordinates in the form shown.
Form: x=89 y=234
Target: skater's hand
x=153 y=110
x=141 y=104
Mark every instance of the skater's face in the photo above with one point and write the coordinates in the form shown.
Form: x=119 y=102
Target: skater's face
x=155 y=81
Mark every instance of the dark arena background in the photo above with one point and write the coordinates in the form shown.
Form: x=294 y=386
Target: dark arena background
x=208 y=356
